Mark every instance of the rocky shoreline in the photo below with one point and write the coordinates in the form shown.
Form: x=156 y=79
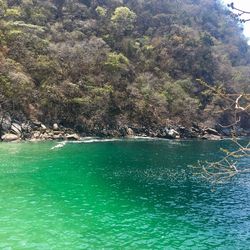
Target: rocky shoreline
x=13 y=130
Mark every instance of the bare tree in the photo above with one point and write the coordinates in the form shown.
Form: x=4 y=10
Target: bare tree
x=239 y=14
x=237 y=104
x=231 y=163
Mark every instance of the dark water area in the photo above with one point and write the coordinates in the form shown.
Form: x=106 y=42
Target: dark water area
x=124 y=194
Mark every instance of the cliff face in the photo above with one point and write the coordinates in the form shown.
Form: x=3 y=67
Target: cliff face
x=98 y=64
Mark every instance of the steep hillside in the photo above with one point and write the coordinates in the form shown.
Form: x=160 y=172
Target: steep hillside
x=100 y=64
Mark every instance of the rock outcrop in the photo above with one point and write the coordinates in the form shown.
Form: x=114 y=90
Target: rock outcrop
x=12 y=130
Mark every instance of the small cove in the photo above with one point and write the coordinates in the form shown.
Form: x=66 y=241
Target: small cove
x=121 y=194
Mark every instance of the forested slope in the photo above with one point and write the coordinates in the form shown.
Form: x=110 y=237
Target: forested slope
x=90 y=65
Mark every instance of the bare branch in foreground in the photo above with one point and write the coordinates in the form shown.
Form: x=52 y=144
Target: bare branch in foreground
x=230 y=165
x=238 y=13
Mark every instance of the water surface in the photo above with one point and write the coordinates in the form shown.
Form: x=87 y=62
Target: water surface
x=118 y=195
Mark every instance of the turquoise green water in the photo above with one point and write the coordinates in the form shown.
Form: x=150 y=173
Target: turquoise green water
x=118 y=195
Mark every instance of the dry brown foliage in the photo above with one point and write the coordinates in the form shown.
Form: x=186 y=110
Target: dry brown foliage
x=230 y=165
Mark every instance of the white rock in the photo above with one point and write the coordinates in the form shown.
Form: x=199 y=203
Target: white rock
x=43 y=127
x=171 y=133
x=74 y=137
x=130 y=132
x=55 y=126
x=36 y=135
x=10 y=137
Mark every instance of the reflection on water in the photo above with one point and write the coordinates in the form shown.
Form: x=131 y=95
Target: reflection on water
x=136 y=194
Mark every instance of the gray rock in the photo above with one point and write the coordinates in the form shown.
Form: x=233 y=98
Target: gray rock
x=211 y=137
x=73 y=137
x=16 y=129
x=26 y=127
x=57 y=132
x=122 y=131
x=45 y=136
x=36 y=135
x=196 y=130
x=57 y=137
x=37 y=123
x=211 y=131
x=187 y=133
x=6 y=123
x=10 y=137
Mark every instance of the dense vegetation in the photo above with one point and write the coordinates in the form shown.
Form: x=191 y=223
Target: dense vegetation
x=106 y=63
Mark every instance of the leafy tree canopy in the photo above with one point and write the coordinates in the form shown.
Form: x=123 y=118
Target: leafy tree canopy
x=103 y=63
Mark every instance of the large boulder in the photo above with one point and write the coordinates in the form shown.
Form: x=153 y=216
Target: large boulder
x=10 y=137
x=16 y=129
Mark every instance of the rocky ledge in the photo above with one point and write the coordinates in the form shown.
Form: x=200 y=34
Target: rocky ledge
x=34 y=131
x=13 y=130
x=168 y=132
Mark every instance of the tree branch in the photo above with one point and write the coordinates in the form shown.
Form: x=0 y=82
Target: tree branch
x=239 y=13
